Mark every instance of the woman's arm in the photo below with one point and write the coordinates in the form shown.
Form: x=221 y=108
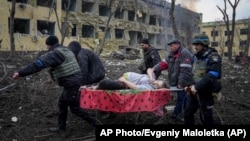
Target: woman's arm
x=129 y=84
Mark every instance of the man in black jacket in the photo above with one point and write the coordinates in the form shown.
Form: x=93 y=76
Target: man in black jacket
x=207 y=71
x=65 y=70
x=179 y=66
x=91 y=65
x=150 y=58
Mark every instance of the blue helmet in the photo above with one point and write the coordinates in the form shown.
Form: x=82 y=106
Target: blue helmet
x=201 y=39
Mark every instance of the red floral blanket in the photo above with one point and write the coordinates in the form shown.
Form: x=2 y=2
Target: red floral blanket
x=125 y=100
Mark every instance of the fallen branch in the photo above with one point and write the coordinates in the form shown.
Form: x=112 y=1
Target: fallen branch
x=7 y=87
x=47 y=135
x=221 y=120
x=86 y=138
x=239 y=103
x=4 y=70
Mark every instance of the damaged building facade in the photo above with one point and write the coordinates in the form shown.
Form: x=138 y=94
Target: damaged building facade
x=217 y=33
x=130 y=22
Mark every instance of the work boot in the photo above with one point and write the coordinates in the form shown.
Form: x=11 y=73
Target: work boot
x=56 y=130
x=177 y=118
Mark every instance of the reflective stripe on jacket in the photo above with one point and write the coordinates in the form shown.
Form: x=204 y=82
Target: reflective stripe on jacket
x=179 y=65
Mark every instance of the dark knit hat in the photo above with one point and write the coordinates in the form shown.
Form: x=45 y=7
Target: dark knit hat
x=52 y=40
x=145 y=41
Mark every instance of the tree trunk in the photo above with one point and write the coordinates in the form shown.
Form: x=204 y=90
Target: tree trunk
x=65 y=25
x=230 y=38
x=234 y=6
x=112 y=11
x=105 y=32
x=63 y=29
x=171 y=15
x=248 y=38
x=12 y=18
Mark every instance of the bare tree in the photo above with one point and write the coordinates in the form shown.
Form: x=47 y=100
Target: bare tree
x=63 y=29
x=112 y=4
x=12 y=19
x=221 y=41
x=248 y=38
x=171 y=15
x=230 y=37
x=65 y=23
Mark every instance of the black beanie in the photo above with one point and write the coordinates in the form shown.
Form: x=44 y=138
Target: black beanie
x=52 y=40
x=145 y=41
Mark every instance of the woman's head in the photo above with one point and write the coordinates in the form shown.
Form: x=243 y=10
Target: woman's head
x=160 y=84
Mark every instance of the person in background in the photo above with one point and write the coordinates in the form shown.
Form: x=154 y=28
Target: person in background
x=207 y=72
x=64 y=70
x=179 y=65
x=91 y=65
x=150 y=57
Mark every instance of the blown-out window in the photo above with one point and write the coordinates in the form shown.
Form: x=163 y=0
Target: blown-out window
x=21 y=26
x=46 y=28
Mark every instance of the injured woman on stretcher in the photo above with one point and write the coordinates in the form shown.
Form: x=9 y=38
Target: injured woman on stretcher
x=131 y=80
x=132 y=92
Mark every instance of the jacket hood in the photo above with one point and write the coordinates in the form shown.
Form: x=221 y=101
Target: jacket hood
x=75 y=47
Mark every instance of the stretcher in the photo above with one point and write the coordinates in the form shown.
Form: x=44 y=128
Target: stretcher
x=125 y=101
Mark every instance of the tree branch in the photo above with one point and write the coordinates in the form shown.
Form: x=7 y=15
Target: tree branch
x=7 y=87
x=65 y=22
x=171 y=15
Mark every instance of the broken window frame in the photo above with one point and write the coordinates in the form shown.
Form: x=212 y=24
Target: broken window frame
x=88 y=7
x=152 y=38
x=133 y=38
x=23 y=28
x=74 y=30
x=244 y=31
x=44 y=3
x=214 y=33
x=214 y=44
x=243 y=43
x=108 y=34
x=69 y=31
x=119 y=14
x=152 y=20
x=131 y=15
x=139 y=36
x=72 y=7
x=227 y=43
x=49 y=26
x=88 y=34
x=20 y=1
x=230 y=32
x=102 y=13
x=117 y=36
x=142 y=19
